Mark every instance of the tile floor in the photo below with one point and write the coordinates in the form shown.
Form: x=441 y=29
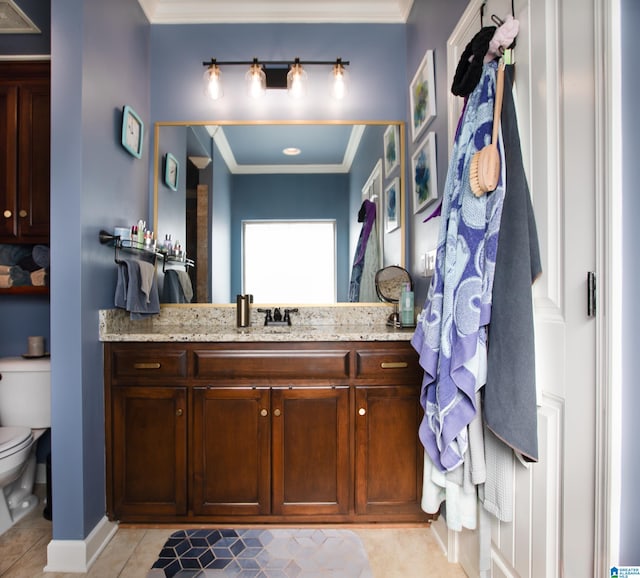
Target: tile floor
x=406 y=552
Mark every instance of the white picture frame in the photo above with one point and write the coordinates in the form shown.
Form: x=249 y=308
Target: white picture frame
x=422 y=96
x=424 y=177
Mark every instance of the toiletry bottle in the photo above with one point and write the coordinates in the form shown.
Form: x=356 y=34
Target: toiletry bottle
x=406 y=307
x=141 y=227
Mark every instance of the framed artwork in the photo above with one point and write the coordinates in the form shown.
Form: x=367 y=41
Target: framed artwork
x=132 y=132
x=424 y=180
x=422 y=96
x=391 y=149
x=391 y=208
x=171 y=169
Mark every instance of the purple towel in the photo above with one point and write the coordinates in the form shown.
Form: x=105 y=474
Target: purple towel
x=450 y=336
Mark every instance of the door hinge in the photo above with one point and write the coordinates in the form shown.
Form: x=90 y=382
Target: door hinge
x=591 y=294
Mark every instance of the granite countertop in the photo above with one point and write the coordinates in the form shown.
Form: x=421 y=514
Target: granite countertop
x=218 y=324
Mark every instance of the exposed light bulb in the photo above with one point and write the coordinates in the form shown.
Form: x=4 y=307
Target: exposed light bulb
x=297 y=80
x=339 y=80
x=256 y=80
x=213 y=82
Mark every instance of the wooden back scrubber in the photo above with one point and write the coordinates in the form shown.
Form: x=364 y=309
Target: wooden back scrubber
x=484 y=171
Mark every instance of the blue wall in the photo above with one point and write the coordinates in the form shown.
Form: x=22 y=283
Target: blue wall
x=376 y=53
x=630 y=520
x=424 y=32
x=95 y=184
x=306 y=196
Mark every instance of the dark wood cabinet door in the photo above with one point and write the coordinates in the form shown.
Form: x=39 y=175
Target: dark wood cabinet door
x=149 y=426
x=389 y=455
x=25 y=135
x=231 y=457
x=310 y=429
x=34 y=162
x=8 y=160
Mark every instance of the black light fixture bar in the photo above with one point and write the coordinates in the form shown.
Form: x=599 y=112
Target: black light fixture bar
x=213 y=61
x=275 y=71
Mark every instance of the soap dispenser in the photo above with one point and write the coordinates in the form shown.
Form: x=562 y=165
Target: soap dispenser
x=243 y=310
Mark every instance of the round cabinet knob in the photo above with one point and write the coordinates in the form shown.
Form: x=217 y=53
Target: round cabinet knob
x=276 y=412
x=22 y=213
x=362 y=411
x=178 y=412
x=264 y=412
x=7 y=214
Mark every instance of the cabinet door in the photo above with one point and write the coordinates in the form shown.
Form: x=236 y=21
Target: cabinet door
x=231 y=451
x=33 y=162
x=310 y=429
x=389 y=455
x=149 y=452
x=8 y=160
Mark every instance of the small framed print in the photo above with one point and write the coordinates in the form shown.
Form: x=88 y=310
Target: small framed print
x=422 y=96
x=391 y=149
x=171 y=170
x=391 y=208
x=424 y=180
x=132 y=132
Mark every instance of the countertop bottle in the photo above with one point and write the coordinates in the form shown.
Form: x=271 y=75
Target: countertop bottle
x=407 y=314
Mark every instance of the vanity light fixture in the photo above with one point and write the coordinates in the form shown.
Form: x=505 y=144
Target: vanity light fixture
x=213 y=81
x=291 y=151
x=275 y=74
x=339 y=80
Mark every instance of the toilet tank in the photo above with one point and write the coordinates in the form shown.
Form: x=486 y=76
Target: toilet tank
x=25 y=392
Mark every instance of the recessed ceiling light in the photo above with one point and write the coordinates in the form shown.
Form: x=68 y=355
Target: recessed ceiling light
x=291 y=151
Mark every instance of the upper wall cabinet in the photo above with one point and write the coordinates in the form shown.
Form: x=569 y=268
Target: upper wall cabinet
x=25 y=129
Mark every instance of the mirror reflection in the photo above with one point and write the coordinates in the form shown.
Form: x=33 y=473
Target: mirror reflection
x=232 y=174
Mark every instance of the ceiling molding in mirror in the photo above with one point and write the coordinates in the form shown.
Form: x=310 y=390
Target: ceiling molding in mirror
x=238 y=171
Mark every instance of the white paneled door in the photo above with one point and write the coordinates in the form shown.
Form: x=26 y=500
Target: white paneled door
x=552 y=533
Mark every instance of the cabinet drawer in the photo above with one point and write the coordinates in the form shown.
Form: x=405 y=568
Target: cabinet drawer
x=275 y=364
x=150 y=363
x=388 y=364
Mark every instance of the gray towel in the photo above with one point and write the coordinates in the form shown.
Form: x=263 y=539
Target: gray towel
x=510 y=393
x=177 y=287
x=137 y=288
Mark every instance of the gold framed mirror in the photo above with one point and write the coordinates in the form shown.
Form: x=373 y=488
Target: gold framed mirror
x=231 y=172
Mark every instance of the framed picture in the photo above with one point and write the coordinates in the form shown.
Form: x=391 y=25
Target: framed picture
x=424 y=180
x=391 y=149
x=422 y=96
x=132 y=132
x=171 y=169
x=391 y=208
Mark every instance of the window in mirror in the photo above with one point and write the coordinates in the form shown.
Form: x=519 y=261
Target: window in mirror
x=290 y=261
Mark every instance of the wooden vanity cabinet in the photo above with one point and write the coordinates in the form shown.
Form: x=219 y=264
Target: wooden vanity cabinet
x=146 y=444
x=388 y=453
x=150 y=451
x=231 y=456
x=271 y=432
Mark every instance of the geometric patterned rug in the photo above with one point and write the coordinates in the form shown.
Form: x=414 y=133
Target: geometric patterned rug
x=261 y=553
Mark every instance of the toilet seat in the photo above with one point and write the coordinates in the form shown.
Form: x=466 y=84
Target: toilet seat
x=14 y=439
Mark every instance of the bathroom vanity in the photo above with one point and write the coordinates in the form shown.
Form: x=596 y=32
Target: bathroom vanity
x=307 y=424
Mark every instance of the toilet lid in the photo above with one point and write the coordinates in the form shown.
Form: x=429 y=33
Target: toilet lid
x=13 y=438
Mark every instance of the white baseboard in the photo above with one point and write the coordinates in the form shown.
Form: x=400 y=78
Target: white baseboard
x=79 y=555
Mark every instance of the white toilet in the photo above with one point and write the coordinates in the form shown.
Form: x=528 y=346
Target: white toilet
x=25 y=414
